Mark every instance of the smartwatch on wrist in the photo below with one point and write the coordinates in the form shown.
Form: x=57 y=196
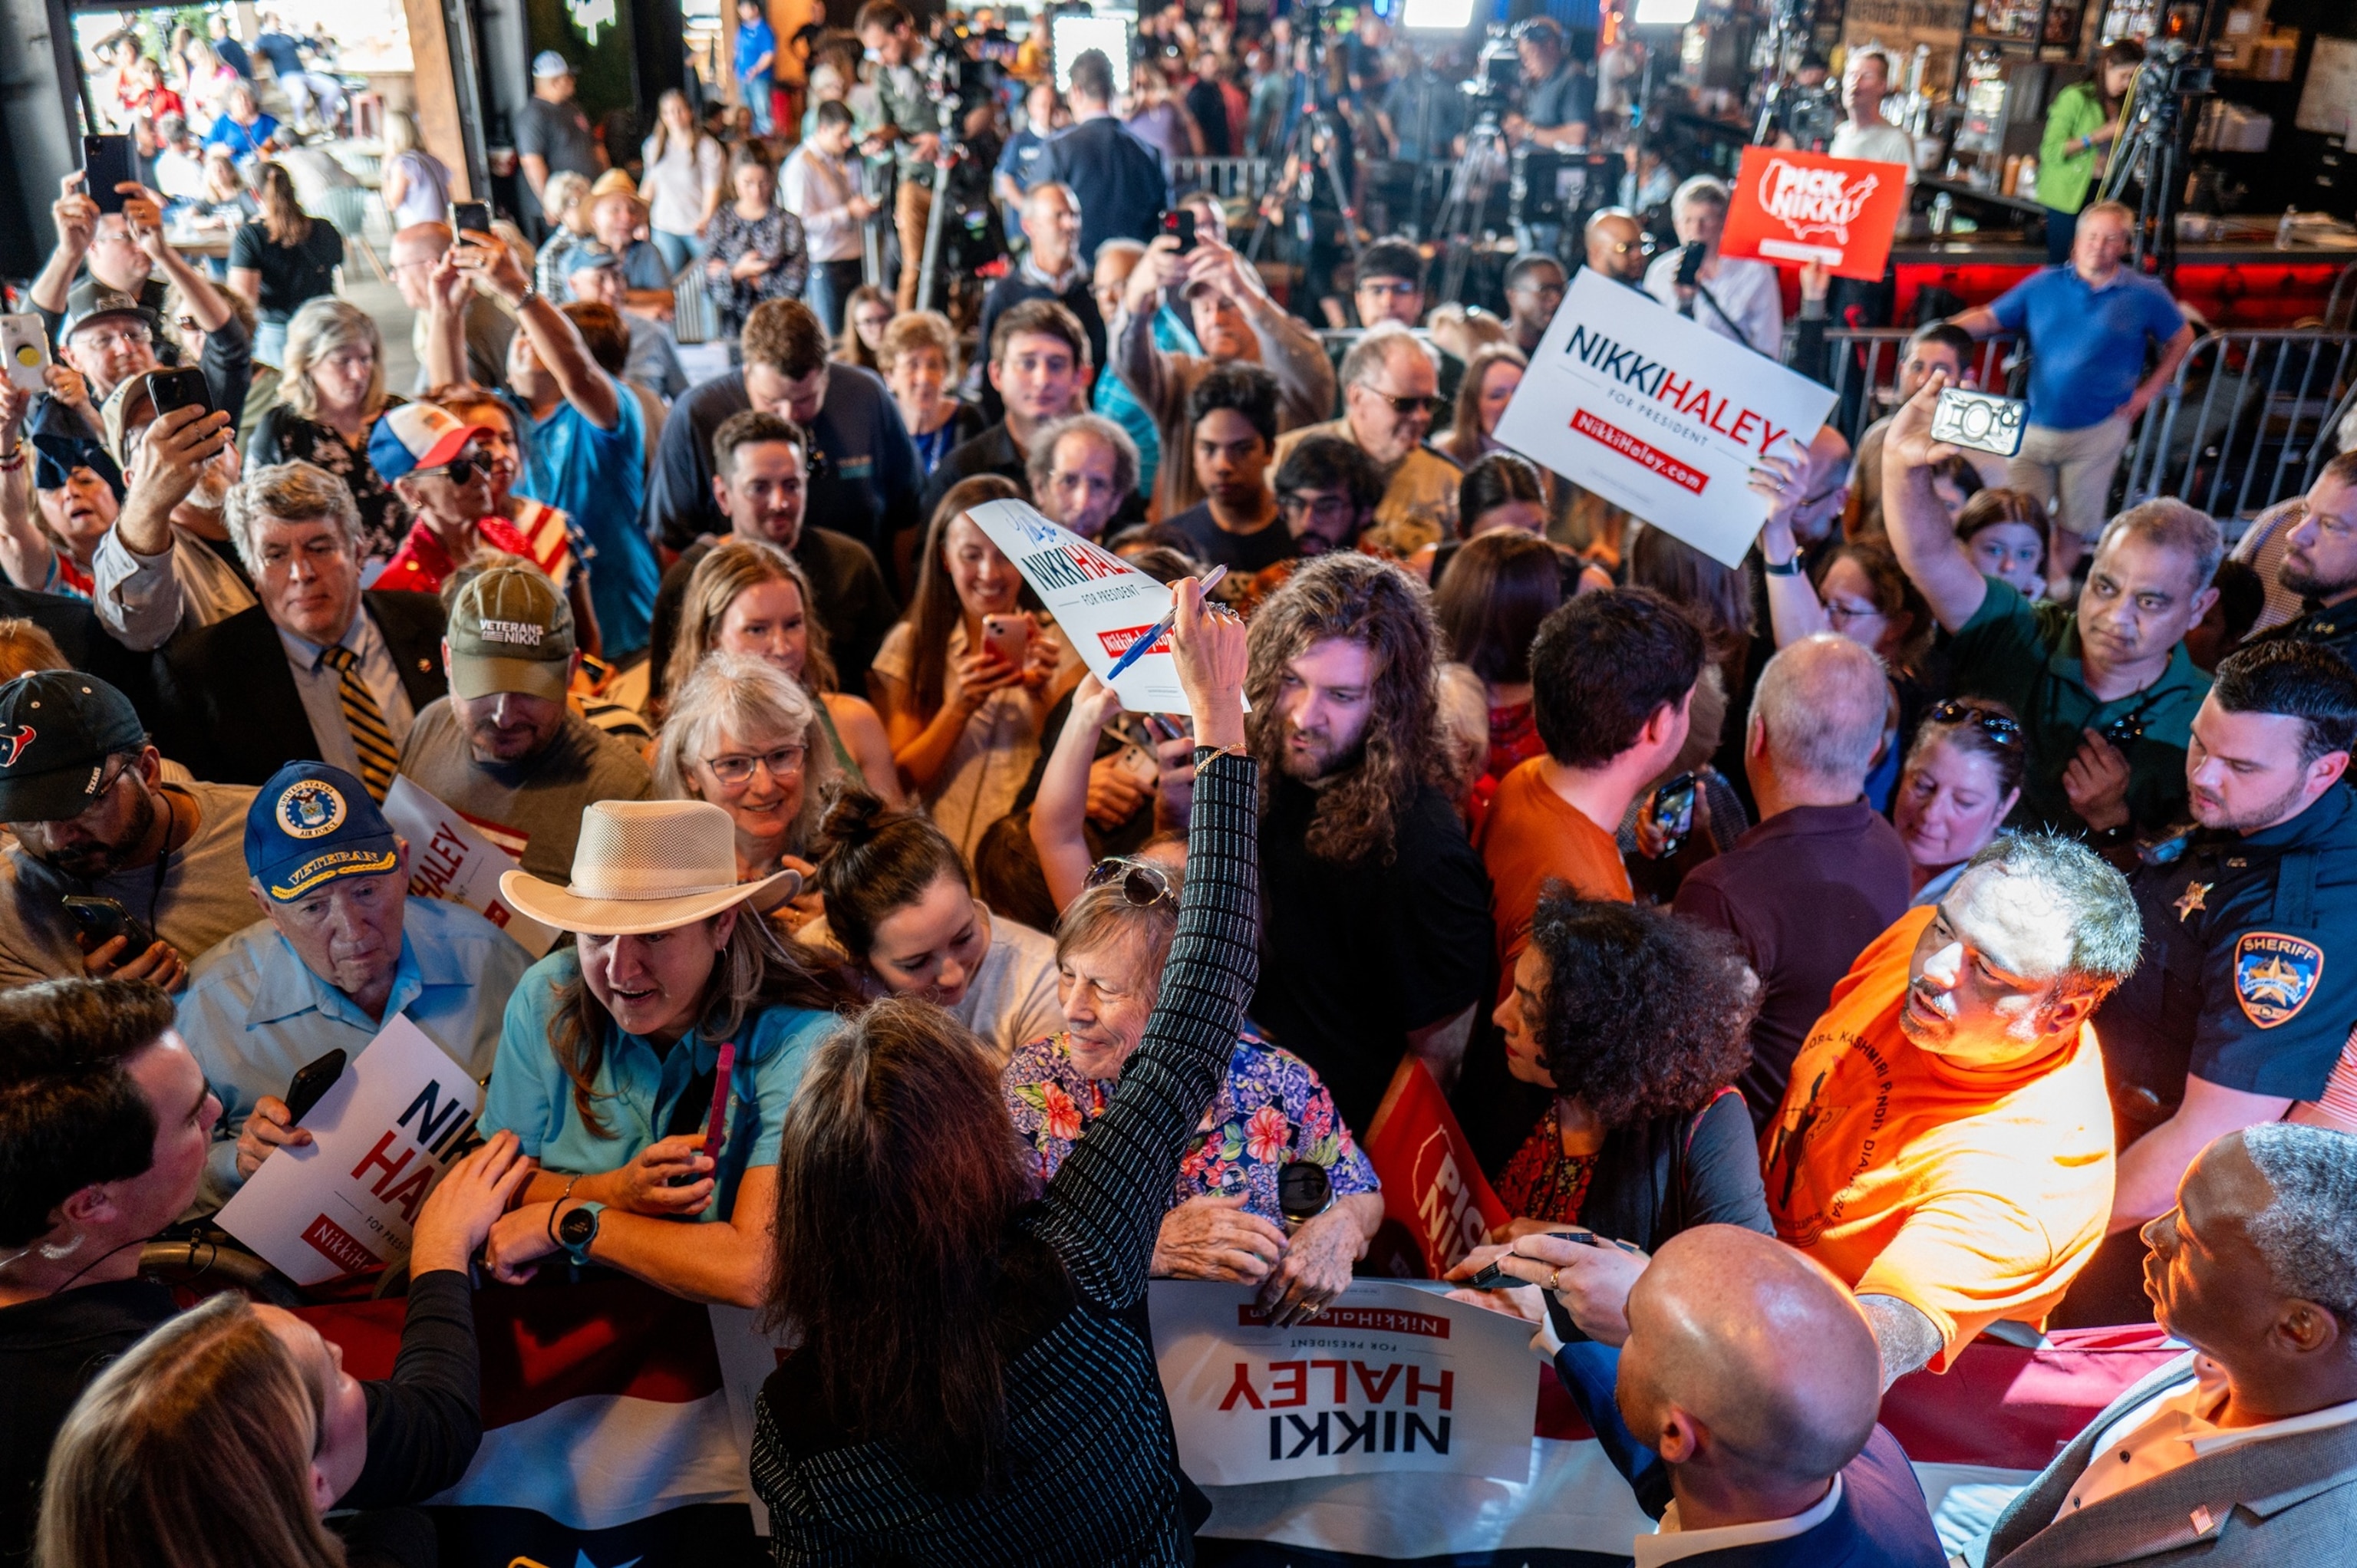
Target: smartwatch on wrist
x=1782 y=568
x=579 y=1228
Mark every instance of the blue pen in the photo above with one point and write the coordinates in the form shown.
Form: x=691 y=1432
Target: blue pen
x=1153 y=634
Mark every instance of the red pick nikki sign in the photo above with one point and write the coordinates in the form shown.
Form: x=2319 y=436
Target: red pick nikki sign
x=1794 y=207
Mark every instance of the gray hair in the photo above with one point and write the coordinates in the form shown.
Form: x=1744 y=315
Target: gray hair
x=2106 y=931
x=2309 y=1233
x=1703 y=187
x=1823 y=702
x=1103 y=916
x=2173 y=525
x=752 y=697
x=1376 y=350
x=1042 y=461
x=320 y=329
x=290 y=492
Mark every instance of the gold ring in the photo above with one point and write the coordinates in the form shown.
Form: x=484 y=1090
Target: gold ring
x=1554 y=1280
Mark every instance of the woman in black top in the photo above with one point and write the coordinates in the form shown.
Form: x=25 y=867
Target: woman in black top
x=281 y=259
x=950 y=1382
x=1636 y=1024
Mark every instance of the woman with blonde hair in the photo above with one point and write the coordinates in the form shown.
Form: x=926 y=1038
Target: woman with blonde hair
x=682 y=186
x=416 y=183
x=282 y=260
x=918 y=361
x=744 y=736
x=331 y=395
x=748 y=597
x=194 y=1450
x=566 y=201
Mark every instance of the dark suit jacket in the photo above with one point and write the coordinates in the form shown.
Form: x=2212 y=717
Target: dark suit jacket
x=75 y=628
x=1120 y=180
x=2281 y=1501
x=992 y=452
x=227 y=701
x=1882 y=1520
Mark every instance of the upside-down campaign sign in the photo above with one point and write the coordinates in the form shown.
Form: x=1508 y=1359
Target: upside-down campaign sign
x=1389 y=1377
x=382 y=1134
x=451 y=857
x=1804 y=207
x=1661 y=417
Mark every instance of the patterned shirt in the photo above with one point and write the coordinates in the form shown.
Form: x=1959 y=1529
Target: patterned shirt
x=1541 y=1182
x=1271 y=1110
x=777 y=234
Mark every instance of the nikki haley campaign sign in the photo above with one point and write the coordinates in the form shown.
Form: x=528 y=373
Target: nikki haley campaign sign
x=1661 y=417
x=1805 y=207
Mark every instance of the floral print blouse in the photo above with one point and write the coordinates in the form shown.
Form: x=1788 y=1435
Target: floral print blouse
x=730 y=238
x=1541 y=1182
x=1271 y=1111
x=283 y=436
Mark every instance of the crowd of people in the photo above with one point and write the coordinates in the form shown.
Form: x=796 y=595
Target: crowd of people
x=1921 y=930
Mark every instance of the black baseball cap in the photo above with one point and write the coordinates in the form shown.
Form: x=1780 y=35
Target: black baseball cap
x=58 y=728
x=90 y=299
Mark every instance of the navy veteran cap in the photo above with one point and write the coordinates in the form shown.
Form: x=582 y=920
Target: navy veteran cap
x=310 y=824
x=58 y=728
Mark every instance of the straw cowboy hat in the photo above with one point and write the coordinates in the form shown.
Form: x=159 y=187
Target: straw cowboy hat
x=646 y=865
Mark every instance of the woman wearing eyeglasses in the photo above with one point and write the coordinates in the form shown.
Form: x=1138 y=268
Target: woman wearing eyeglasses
x=743 y=734
x=1272 y=1112
x=1962 y=779
x=902 y=918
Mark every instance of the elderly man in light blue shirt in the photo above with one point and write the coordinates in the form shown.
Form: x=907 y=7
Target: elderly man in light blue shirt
x=341 y=951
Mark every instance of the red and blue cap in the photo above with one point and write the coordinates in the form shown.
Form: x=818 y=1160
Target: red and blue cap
x=414 y=435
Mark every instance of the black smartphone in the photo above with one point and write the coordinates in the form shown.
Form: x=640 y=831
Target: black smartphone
x=1690 y=264
x=1495 y=1278
x=109 y=161
x=179 y=389
x=1180 y=222
x=1674 y=805
x=470 y=217
x=311 y=1081
x=97 y=921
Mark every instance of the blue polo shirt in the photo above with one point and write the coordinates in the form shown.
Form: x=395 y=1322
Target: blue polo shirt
x=254 y=1014
x=755 y=39
x=639 y=1085
x=244 y=142
x=2086 y=344
x=598 y=479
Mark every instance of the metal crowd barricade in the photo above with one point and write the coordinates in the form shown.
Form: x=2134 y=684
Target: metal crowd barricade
x=1865 y=362
x=2341 y=308
x=693 y=320
x=2246 y=421
x=1230 y=179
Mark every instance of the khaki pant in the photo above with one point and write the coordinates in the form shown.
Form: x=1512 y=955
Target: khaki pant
x=2071 y=471
x=910 y=209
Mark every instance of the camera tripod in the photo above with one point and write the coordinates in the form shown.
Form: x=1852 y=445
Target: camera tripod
x=2150 y=153
x=1312 y=147
x=1468 y=201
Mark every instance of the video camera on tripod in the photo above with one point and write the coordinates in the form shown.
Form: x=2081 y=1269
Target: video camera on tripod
x=2150 y=152
x=1497 y=75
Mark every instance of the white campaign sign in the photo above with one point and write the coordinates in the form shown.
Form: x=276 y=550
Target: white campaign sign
x=1388 y=1377
x=1658 y=415
x=451 y=858
x=346 y=1201
x=1101 y=602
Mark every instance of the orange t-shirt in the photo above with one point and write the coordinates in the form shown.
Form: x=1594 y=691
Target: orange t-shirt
x=1531 y=836
x=1971 y=1196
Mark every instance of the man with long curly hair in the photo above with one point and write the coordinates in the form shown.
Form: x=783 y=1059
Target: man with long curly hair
x=1377 y=934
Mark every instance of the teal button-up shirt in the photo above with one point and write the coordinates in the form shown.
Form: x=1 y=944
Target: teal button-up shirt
x=254 y=1014
x=639 y=1086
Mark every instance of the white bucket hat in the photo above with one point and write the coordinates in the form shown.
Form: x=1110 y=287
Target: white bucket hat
x=646 y=865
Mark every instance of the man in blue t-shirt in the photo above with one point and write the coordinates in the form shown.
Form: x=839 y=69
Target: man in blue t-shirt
x=585 y=452
x=756 y=62
x=2087 y=324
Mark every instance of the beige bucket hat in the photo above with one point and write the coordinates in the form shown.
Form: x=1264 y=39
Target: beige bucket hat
x=646 y=865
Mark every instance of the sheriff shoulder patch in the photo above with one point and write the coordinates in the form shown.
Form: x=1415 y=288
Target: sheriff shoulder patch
x=2274 y=975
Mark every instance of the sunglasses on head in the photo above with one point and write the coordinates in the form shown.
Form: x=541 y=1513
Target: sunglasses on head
x=1998 y=727
x=1142 y=885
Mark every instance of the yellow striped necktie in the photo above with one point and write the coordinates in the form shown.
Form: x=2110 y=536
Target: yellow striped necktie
x=370 y=736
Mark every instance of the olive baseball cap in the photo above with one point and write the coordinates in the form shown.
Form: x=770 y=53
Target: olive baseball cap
x=510 y=631
x=58 y=728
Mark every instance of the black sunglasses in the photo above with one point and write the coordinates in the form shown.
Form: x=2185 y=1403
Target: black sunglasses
x=462 y=468
x=1407 y=406
x=1998 y=727
x=1144 y=885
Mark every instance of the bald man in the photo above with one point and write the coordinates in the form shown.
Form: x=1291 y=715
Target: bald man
x=415 y=249
x=1741 y=1408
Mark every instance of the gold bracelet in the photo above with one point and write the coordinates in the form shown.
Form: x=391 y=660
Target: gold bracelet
x=1207 y=755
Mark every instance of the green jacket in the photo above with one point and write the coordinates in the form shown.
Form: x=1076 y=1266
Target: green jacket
x=2065 y=173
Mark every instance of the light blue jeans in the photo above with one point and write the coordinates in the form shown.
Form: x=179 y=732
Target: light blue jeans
x=678 y=250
